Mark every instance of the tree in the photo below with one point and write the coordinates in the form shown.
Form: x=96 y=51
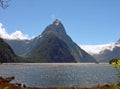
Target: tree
x=116 y=64
x=4 y=3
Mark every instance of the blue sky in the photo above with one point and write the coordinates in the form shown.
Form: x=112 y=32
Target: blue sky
x=86 y=21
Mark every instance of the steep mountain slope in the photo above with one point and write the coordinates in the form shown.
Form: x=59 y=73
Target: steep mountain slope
x=104 y=53
x=52 y=50
x=6 y=53
x=20 y=47
x=57 y=29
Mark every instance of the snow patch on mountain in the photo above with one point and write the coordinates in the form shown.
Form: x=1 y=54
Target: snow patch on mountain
x=96 y=49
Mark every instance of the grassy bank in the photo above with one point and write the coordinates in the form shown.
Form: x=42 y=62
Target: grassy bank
x=5 y=84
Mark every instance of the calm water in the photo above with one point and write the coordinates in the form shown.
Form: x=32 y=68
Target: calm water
x=51 y=75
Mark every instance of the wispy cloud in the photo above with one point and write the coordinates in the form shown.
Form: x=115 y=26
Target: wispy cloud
x=15 y=35
x=53 y=17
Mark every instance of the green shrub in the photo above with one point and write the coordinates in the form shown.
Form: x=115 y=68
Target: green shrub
x=116 y=64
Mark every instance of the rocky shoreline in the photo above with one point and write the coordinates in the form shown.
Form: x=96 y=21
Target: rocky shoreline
x=5 y=83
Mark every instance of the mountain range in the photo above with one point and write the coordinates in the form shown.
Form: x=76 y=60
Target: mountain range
x=104 y=52
x=52 y=45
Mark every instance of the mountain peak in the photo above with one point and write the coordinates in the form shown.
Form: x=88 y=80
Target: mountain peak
x=56 y=27
x=56 y=22
x=55 y=41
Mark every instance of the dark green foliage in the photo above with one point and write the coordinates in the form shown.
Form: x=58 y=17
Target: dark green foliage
x=52 y=49
x=4 y=3
x=116 y=64
x=6 y=53
x=113 y=61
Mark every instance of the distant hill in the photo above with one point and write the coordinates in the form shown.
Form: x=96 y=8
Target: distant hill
x=20 y=47
x=6 y=52
x=104 y=53
x=57 y=30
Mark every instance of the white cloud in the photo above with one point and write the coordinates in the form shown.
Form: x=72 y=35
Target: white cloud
x=15 y=35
